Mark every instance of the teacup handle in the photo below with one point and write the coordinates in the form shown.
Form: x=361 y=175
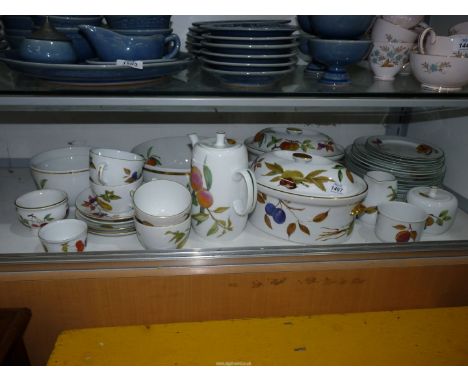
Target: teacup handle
x=422 y=38
x=175 y=46
x=251 y=184
x=100 y=174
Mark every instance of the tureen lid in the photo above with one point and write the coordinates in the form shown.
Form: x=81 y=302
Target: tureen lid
x=306 y=175
x=294 y=139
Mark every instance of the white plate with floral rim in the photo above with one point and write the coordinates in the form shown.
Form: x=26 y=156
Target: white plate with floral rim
x=87 y=204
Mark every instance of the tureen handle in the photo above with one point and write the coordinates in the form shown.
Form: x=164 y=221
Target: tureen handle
x=251 y=184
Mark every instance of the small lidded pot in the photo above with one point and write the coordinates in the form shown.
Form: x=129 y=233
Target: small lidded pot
x=293 y=139
x=440 y=206
x=46 y=45
x=306 y=199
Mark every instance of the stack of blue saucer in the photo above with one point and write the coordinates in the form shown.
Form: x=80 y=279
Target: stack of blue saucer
x=248 y=53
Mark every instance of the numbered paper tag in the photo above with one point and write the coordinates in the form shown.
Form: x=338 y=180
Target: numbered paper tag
x=460 y=46
x=336 y=188
x=132 y=64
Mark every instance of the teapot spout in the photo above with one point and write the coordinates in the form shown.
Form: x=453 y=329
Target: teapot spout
x=193 y=138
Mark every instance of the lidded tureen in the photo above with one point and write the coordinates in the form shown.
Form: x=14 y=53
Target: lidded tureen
x=304 y=198
x=293 y=139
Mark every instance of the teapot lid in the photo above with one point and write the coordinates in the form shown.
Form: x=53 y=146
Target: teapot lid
x=306 y=175
x=48 y=32
x=219 y=142
x=295 y=139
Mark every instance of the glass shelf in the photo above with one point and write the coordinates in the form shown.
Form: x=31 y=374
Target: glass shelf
x=194 y=90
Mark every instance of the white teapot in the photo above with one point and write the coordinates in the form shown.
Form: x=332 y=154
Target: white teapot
x=223 y=188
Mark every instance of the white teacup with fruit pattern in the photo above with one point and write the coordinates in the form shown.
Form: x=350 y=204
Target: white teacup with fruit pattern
x=68 y=235
x=115 y=199
x=387 y=58
x=111 y=167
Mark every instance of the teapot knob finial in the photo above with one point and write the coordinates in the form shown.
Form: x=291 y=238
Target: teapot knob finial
x=220 y=139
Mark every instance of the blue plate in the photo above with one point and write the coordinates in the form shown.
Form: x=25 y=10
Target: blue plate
x=249 y=49
x=84 y=74
x=249 y=40
x=249 y=29
x=247 y=58
x=247 y=78
x=201 y=24
x=252 y=67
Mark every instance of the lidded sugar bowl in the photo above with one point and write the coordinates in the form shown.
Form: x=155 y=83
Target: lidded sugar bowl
x=440 y=205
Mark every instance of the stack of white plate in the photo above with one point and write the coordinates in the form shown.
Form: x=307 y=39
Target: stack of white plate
x=412 y=162
x=102 y=222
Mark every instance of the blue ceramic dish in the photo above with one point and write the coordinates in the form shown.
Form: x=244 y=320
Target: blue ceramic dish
x=336 y=55
x=45 y=51
x=338 y=27
x=138 y=22
x=248 y=78
x=111 y=46
x=74 y=21
x=249 y=49
x=84 y=74
x=249 y=59
x=248 y=40
x=249 y=29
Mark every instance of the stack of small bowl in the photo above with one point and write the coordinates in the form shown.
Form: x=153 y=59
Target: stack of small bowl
x=441 y=62
x=393 y=38
x=162 y=214
x=16 y=28
x=248 y=53
x=337 y=42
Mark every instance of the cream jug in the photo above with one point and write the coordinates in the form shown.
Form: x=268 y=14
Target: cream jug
x=223 y=188
x=382 y=188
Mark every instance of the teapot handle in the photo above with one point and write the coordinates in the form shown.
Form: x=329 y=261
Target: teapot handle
x=422 y=38
x=251 y=184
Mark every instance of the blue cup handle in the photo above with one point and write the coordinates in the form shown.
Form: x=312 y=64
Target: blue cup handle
x=175 y=45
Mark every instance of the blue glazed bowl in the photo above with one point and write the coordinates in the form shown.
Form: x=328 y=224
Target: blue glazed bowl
x=18 y=22
x=336 y=55
x=336 y=27
x=74 y=21
x=138 y=22
x=45 y=51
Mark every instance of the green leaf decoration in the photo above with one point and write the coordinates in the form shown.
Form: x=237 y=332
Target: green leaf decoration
x=148 y=153
x=220 y=210
x=439 y=222
x=443 y=213
x=65 y=247
x=275 y=168
x=261 y=197
x=320 y=217
x=92 y=165
x=350 y=228
x=200 y=217
x=291 y=229
x=42 y=183
x=319 y=182
x=304 y=229
x=393 y=194
x=268 y=221
x=127 y=171
x=194 y=199
x=400 y=227
x=314 y=174
x=297 y=176
x=340 y=175
x=48 y=218
x=276 y=178
x=424 y=194
x=229 y=224
x=208 y=176
x=214 y=228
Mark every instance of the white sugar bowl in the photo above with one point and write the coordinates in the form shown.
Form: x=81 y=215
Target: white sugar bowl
x=440 y=205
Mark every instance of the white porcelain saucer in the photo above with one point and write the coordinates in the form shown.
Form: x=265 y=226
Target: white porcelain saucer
x=87 y=205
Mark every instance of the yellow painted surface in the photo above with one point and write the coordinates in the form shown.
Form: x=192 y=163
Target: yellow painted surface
x=407 y=337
